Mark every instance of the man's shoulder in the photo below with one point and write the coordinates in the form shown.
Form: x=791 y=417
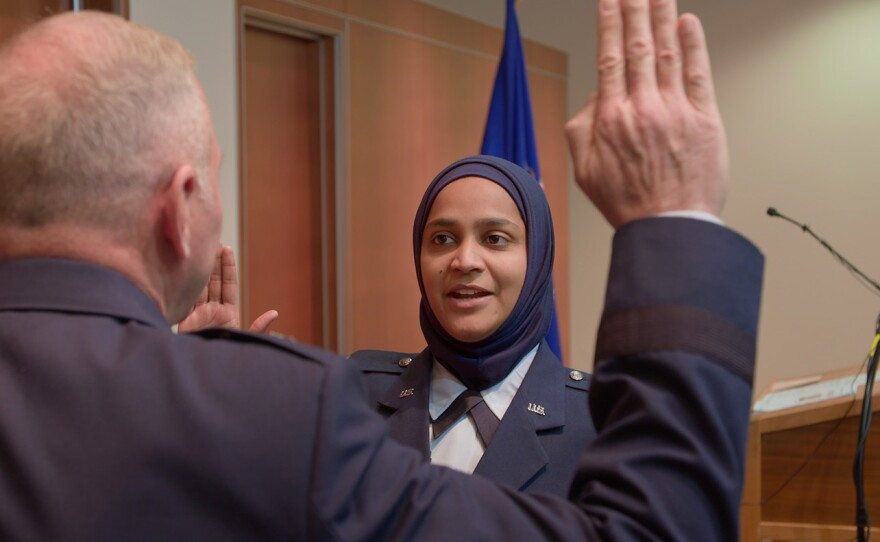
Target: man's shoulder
x=266 y=345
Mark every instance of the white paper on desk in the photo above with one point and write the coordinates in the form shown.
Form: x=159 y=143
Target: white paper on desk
x=811 y=393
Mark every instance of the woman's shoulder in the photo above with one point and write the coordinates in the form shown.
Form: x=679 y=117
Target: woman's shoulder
x=382 y=361
x=547 y=363
x=576 y=379
x=383 y=369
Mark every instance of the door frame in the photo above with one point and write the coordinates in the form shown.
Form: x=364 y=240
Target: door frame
x=333 y=175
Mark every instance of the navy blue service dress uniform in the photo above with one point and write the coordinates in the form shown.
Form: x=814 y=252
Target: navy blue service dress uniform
x=531 y=451
x=114 y=428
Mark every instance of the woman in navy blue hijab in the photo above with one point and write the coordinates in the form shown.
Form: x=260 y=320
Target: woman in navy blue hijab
x=487 y=395
x=484 y=362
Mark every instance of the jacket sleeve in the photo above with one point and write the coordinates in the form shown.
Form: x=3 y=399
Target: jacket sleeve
x=670 y=398
x=672 y=389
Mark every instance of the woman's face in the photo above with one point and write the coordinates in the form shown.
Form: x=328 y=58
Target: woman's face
x=473 y=258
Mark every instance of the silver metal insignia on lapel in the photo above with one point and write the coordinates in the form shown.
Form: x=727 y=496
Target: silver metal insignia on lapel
x=575 y=375
x=407 y=392
x=537 y=409
x=404 y=362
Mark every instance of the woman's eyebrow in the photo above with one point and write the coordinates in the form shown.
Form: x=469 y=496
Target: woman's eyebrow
x=441 y=222
x=497 y=222
x=483 y=223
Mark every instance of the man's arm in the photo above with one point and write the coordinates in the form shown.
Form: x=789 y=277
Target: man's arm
x=675 y=352
x=671 y=392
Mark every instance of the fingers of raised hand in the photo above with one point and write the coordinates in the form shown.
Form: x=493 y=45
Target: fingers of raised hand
x=697 y=70
x=611 y=61
x=213 y=289
x=228 y=277
x=203 y=296
x=641 y=66
x=668 y=50
x=652 y=140
x=627 y=63
x=262 y=323
x=641 y=51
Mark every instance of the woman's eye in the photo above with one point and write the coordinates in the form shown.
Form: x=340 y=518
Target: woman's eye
x=441 y=239
x=496 y=239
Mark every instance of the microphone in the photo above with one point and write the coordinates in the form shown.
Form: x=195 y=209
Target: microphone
x=771 y=211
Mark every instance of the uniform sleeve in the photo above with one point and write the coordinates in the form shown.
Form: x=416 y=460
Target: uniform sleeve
x=672 y=389
x=672 y=419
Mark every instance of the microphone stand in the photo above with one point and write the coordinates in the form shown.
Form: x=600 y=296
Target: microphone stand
x=863 y=519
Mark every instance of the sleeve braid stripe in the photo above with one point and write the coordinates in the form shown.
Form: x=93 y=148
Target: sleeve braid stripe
x=677 y=328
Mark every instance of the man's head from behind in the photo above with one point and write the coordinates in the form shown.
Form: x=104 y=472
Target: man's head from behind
x=105 y=130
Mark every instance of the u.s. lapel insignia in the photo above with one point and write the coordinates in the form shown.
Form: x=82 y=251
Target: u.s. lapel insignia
x=407 y=392
x=537 y=409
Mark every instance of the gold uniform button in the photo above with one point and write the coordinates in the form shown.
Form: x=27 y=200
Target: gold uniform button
x=404 y=362
x=577 y=376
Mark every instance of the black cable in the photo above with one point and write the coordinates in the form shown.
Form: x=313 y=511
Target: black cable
x=816 y=448
x=863 y=518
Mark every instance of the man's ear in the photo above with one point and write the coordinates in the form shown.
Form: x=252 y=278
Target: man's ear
x=179 y=196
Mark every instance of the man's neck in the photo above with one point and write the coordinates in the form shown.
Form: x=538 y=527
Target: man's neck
x=88 y=244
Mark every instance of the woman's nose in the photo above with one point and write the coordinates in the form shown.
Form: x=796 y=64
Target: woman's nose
x=468 y=257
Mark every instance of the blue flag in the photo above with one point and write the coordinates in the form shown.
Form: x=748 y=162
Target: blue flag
x=510 y=133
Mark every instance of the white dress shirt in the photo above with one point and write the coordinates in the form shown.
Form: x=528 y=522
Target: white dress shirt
x=460 y=447
x=697 y=215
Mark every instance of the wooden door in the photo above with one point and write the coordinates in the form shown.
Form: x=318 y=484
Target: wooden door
x=16 y=14
x=287 y=191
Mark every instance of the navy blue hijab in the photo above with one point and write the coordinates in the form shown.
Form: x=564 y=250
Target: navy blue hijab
x=484 y=363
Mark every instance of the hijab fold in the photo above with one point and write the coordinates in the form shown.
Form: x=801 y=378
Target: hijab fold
x=484 y=363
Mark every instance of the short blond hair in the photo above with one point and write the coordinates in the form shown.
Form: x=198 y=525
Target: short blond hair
x=94 y=113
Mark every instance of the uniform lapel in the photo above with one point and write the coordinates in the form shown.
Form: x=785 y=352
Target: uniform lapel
x=515 y=455
x=407 y=398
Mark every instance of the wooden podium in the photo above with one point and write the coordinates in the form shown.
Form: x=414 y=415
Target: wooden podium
x=799 y=483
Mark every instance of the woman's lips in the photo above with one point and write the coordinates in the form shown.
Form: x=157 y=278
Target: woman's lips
x=468 y=293
x=467 y=297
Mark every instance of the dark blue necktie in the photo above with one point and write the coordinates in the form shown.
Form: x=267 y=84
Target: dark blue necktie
x=469 y=402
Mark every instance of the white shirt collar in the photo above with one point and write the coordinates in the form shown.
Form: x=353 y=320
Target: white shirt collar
x=445 y=388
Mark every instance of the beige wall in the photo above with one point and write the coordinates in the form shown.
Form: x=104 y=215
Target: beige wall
x=207 y=29
x=799 y=86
